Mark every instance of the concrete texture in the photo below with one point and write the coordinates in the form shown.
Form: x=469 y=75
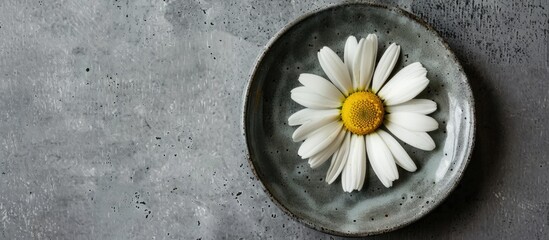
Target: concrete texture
x=121 y=119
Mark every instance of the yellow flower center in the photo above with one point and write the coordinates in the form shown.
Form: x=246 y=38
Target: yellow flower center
x=362 y=112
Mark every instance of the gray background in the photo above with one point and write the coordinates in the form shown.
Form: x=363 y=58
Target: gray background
x=120 y=119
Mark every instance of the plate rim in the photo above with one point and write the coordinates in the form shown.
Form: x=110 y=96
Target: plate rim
x=247 y=91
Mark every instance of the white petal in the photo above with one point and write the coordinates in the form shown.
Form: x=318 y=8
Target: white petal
x=356 y=68
x=401 y=156
x=355 y=167
x=345 y=177
x=321 y=139
x=413 y=121
x=304 y=115
x=390 y=163
x=411 y=71
x=354 y=160
x=364 y=63
x=373 y=153
x=361 y=145
x=347 y=174
x=318 y=159
x=423 y=106
x=330 y=97
x=308 y=128
x=339 y=159
x=335 y=69
x=419 y=140
x=321 y=86
x=385 y=66
x=350 y=51
x=382 y=178
x=348 y=179
x=381 y=159
x=306 y=98
x=405 y=85
x=406 y=92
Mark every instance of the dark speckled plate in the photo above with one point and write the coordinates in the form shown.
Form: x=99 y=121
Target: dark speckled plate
x=301 y=191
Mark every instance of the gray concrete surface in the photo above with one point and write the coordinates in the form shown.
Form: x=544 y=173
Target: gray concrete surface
x=120 y=119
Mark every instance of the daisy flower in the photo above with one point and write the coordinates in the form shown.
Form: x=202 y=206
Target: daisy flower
x=343 y=117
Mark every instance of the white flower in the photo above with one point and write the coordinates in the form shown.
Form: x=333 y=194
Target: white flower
x=343 y=118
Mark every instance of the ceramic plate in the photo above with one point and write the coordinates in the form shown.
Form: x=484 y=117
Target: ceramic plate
x=300 y=191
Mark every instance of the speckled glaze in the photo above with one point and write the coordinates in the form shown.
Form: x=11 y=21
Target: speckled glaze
x=301 y=191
